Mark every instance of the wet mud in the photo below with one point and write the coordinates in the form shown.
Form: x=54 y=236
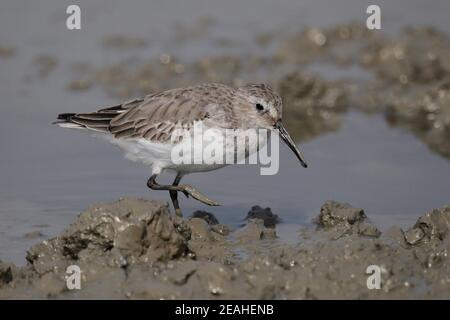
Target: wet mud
x=136 y=249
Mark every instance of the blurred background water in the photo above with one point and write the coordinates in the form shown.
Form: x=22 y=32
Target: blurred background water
x=48 y=175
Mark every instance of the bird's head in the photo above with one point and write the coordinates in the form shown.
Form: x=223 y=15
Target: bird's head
x=263 y=108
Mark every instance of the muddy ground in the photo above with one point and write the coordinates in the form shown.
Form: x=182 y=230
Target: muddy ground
x=136 y=249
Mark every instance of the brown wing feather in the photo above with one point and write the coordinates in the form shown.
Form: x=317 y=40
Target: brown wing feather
x=156 y=116
x=159 y=114
x=155 y=119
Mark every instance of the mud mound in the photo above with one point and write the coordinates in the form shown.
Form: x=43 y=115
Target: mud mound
x=135 y=249
x=116 y=234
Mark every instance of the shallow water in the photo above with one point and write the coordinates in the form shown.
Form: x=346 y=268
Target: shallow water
x=49 y=174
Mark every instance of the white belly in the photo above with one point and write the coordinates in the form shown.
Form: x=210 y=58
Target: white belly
x=200 y=152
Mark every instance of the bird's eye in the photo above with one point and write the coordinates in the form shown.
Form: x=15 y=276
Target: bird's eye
x=259 y=107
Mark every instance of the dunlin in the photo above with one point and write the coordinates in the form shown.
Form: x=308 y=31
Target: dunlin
x=144 y=128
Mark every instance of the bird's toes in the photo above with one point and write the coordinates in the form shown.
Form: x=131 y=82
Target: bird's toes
x=194 y=193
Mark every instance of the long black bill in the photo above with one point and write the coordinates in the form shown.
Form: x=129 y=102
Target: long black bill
x=287 y=138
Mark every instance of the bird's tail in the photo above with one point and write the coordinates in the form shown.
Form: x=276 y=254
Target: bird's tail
x=65 y=116
x=97 y=121
x=64 y=120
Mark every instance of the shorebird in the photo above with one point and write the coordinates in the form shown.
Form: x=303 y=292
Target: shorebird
x=144 y=127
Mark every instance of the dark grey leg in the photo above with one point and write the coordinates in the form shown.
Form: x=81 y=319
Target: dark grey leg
x=174 y=195
x=186 y=189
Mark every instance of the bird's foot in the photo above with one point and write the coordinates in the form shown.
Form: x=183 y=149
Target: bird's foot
x=194 y=193
x=178 y=212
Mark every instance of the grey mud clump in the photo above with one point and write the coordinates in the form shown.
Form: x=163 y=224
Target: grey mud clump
x=413 y=84
x=269 y=218
x=408 y=79
x=432 y=227
x=426 y=113
x=416 y=56
x=316 y=102
x=255 y=229
x=342 y=218
x=135 y=249
x=118 y=234
x=6 y=273
x=339 y=43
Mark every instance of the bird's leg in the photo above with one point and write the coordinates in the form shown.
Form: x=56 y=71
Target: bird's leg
x=186 y=189
x=174 y=196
